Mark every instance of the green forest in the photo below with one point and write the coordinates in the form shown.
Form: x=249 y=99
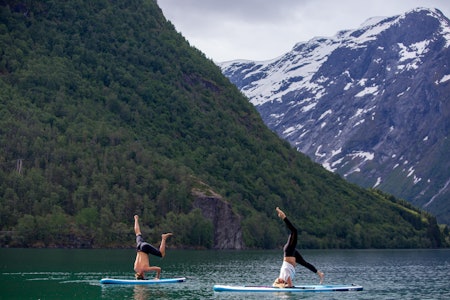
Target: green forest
x=106 y=111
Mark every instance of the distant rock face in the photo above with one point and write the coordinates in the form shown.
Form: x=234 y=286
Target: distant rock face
x=227 y=224
x=372 y=104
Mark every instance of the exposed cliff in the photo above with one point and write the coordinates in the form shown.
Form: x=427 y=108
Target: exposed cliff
x=227 y=224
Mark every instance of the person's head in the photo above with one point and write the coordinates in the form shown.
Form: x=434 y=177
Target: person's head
x=139 y=276
x=279 y=282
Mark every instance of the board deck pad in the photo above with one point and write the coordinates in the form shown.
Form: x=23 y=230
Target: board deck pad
x=298 y=288
x=136 y=281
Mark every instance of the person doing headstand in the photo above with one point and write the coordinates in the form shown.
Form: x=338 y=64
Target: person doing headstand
x=143 y=249
x=291 y=257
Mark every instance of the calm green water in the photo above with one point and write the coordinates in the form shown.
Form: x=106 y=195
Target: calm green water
x=75 y=274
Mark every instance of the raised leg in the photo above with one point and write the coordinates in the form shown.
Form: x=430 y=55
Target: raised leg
x=137 y=229
x=162 y=247
x=289 y=248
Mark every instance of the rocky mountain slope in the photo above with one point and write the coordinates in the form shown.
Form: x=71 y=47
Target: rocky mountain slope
x=371 y=104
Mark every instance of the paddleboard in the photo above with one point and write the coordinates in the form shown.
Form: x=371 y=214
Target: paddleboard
x=296 y=289
x=147 y=281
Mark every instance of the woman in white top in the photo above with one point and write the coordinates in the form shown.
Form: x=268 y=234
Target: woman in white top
x=291 y=257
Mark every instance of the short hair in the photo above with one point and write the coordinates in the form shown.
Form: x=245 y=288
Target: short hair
x=139 y=276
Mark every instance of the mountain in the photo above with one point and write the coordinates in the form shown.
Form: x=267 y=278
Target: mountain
x=371 y=104
x=106 y=111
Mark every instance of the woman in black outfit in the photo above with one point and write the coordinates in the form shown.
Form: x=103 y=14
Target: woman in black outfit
x=292 y=257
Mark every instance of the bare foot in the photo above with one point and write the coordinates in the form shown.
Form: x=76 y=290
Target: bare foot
x=281 y=214
x=136 y=217
x=164 y=236
x=321 y=275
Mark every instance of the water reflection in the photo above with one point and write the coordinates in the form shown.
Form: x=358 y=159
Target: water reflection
x=145 y=292
x=141 y=292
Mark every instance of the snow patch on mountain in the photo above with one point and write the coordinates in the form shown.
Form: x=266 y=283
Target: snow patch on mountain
x=370 y=103
x=444 y=78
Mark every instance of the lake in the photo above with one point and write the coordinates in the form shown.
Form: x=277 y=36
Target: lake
x=75 y=274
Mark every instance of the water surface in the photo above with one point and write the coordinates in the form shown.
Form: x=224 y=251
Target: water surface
x=75 y=274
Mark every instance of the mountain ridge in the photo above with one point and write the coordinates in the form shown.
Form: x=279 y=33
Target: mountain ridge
x=361 y=102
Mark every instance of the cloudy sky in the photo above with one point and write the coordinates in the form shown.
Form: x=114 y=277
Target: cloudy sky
x=265 y=29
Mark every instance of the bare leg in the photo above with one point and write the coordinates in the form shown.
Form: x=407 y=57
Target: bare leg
x=137 y=229
x=321 y=276
x=162 y=247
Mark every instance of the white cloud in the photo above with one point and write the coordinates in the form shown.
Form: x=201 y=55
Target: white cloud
x=266 y=29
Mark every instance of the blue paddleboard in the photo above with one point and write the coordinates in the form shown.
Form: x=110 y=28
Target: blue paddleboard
x=296 y=289
x=147 y=281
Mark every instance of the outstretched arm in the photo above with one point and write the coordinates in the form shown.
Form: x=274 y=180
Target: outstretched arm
x=289 y=282
x=155 y=269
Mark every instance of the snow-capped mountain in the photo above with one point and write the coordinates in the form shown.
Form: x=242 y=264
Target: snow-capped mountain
x=372 y=104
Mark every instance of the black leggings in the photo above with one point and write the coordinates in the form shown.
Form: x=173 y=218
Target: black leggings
x=290 y=247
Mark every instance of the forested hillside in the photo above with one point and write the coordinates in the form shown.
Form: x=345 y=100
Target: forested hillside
x=106 y=111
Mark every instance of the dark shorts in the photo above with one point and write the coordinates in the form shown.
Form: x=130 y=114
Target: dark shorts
x=145 y=247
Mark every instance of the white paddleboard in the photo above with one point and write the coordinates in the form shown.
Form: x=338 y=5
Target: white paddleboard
x=296 y=289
